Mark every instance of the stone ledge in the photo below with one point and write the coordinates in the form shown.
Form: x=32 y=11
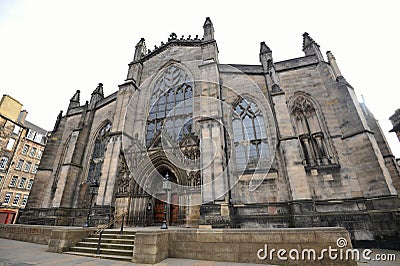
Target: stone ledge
x=58 y=238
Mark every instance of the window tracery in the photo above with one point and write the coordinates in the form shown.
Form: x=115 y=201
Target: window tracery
x=97 y=158
x=171 y=110
x=249 y=135
x=309 y=128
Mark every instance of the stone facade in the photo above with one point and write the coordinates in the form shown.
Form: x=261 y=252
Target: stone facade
x=280 y=144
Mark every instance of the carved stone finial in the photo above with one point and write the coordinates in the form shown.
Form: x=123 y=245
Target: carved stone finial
x=140 y=49
x=76 y=96
x=208 y=30
x=264 y=49
x=75 y=100
x=310 y=47
x=173 y=36
x=155 y=47
x=99 y=89
x=183 y=37
x=332 y=62
x=148 y=51
x=307 y=40
x=162 y=43
x=330 y=55
x=188 y=38
x=207 y=22
x=56 y=125
x=197 y=37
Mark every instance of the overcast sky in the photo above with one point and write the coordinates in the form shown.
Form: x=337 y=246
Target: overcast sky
x=50 y=49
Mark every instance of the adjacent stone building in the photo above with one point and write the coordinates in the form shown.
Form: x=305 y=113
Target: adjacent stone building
x=21 y=146
x=279 y=144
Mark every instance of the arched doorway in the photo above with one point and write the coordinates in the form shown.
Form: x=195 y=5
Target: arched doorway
x=160 y=206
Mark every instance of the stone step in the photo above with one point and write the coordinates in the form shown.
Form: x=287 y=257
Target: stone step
x=103 y=256
x=109 y=240
x=105 y=245
x=112 y=231
x=103 y=251
x=118 y=236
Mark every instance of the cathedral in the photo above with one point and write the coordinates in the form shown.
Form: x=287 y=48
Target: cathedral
x=196 y=142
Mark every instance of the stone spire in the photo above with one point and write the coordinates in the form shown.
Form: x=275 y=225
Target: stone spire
x=208 y=30
x=333 y=64
x=264 y=49
x=269 y=67
x=57 y=124
x=140 y=50
x=75 y=100
x=310 y=47
x=97 y=95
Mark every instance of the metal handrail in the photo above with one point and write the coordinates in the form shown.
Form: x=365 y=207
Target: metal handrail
x=113 y=221
x=106 y=226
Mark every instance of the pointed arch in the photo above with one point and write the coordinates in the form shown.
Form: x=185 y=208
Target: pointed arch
x=249 y=134
x=61 y=161
x=311 y=131
x=171 y=105
x=98 y=147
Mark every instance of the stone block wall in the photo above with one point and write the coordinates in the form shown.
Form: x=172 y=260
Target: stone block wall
x=151 y=246
x=242 y=245
x=27 y=233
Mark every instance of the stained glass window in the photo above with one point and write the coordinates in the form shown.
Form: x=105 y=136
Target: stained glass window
x=171 y=106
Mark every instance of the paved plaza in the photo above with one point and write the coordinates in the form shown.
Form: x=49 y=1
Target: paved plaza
x=24 y=254
x=20 y=253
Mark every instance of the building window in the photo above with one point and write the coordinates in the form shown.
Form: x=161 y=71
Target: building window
x=22 y=183
x=7 y=198
x=25 y=149
x=10 y=144
x=13 y=181
x=30 y=135
x=171 y=106
x=16 y=129
x=3 y=163
x=39 y=154
x=24 y=200
x=96 y=161
x=19 y=164
x=249 y=136
x=27 y=167
x=33 y=152
x=30 y=183
x=309 y=129
x=16 y=199
x=34 y=169
x=39 y=138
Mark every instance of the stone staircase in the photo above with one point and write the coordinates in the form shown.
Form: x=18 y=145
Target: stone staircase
x=113 y=245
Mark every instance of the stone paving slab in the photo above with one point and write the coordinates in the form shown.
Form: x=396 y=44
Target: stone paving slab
x=18 y=253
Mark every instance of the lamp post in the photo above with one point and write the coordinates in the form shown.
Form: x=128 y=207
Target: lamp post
x=94 y=185
x=167 y=187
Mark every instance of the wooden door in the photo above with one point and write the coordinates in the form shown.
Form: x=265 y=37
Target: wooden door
x=158 y=211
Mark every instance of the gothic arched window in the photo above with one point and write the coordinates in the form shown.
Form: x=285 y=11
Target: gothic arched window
x=309 y=129
x=97 y=158
x=171 y=106
x=249 y=135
